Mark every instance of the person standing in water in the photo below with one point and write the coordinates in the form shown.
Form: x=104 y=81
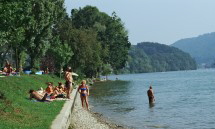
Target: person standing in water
x=68 y=84
x=151 y=95
x=83 y=89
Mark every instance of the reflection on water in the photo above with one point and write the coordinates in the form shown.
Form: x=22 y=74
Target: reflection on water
x=184 y=99
x=103 y=92
x=151 y=105
x=110 y=88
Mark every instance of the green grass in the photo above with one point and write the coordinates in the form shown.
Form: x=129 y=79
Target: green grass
x=17 y=111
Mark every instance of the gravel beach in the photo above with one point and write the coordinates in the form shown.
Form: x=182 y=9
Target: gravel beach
x=83 y=119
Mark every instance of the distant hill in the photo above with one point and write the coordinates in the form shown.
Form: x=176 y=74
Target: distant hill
x=201 y=48
x=155 y=57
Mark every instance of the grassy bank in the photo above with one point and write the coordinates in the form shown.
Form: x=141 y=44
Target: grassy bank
x=17 y=111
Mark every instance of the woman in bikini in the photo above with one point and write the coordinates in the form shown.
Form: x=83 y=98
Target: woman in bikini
x=83 y=89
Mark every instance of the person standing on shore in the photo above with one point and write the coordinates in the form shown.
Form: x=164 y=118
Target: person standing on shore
x=83 y=89
x=69 y=79
x=150 y=94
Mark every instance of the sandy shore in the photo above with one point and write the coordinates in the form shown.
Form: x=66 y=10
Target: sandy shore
x=83 y=119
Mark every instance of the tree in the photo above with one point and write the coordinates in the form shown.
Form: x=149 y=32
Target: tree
x=111 y=34
x=84 y=45
x=12 y=32
x=62 y=54
x=87 y=51
x=38 y=28
x=26 y=26
x=106 y=70
x=118 y=42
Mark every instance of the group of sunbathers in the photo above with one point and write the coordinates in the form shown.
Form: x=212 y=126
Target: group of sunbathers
x=8 y=70
x=50 y=93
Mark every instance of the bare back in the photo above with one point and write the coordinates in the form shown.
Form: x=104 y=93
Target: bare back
x=36 y=96
x=150 y=93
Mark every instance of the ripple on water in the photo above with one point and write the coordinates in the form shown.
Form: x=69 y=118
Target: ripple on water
x=124 y=110
x=157 y=126
x=184 y=100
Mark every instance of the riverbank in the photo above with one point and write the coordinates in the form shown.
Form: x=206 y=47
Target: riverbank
x=83 y=119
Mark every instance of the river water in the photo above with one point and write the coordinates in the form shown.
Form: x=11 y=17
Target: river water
x=184 y=100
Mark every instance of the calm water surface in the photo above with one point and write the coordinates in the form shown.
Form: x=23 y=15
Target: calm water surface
x=184 y=100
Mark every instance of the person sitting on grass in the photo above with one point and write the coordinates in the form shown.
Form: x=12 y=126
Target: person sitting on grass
x=61 y=86
x=49 y=88
x=38 y=97
x=8 y=68
x=84 y=93
x=5 y=70
x=59 y=91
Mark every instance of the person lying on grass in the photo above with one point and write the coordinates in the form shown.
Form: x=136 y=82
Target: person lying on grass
x=41 y=91
x=37 y=96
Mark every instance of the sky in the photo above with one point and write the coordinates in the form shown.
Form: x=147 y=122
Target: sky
x=161 y=21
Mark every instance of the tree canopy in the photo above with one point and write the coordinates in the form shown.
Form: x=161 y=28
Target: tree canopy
x=111 y=34
x=40 y=35
x=43 y=35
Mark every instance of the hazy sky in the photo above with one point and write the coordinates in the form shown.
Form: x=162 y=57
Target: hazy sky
x=162 y=21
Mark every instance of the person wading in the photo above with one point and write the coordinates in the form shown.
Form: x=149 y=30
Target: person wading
x=151 y=95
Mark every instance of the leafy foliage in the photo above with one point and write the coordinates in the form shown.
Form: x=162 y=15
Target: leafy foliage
x=26 y=26
x=87 y=51
x=87 y=40
x=110 y=31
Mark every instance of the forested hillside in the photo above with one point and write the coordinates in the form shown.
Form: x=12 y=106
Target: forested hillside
x=201 y=48
x=154 y=57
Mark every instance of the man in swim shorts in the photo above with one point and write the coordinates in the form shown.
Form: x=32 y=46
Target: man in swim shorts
x=69 y=79
x=151 y=95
